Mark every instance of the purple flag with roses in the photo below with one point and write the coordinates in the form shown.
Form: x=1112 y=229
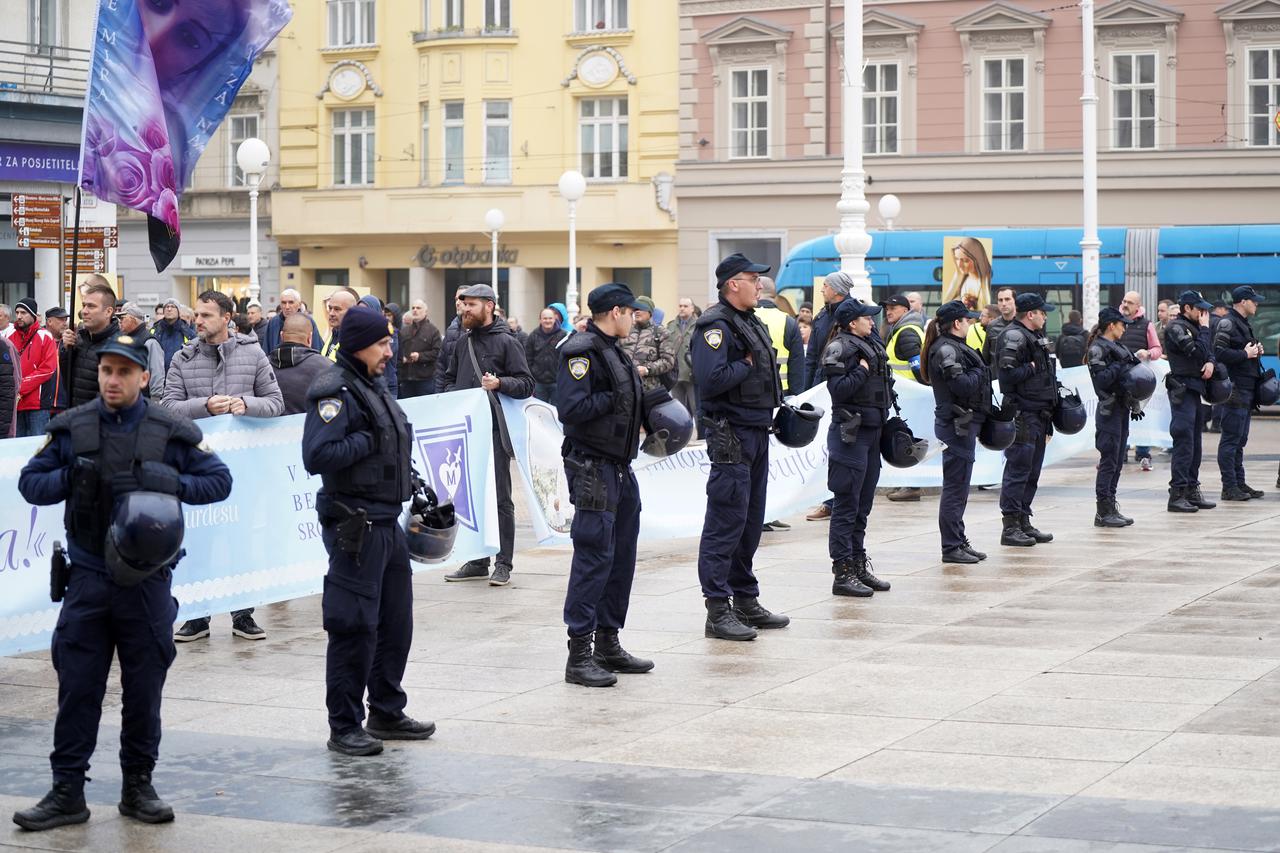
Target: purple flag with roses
x=163 y=75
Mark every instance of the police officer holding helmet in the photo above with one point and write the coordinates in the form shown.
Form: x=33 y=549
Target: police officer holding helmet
x=860 y=381
x=961 y=385
x=600 y=402
x=1189 y=348
x=357 y=439
x=123 y=466
x=1028 y=380
x=1109 y=363
x=1236 y=346
x=735 y=371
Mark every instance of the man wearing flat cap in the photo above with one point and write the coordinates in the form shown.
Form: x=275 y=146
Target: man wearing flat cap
x=488 y=355
x=1236 y=346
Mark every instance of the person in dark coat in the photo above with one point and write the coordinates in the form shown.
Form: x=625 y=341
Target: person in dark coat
x=80 y=348
x=171 y=331
x=420 y=343
x=296 y=362
x=451 y=334
x=290 y=304
x=1070 y=346
x=542 y=350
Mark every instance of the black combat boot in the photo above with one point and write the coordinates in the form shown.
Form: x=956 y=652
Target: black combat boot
x=1254 y=494
x=1179 y=502
x=582 y=667
x=960 y=555
x=1115 y=507
x=723 y=623
x=62 y=806
x=609 y=654
x=968 y=546
x=862 y=571
x=1012 y=533
x=1024 y=521
x=356 y=742
x=846 y=582
x=1195 y=497
x=1235 y=493
x=1106 y=516
x=139 y=800
x=749 y=612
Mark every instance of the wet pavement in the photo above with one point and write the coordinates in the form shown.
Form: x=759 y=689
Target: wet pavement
x=1110 y=691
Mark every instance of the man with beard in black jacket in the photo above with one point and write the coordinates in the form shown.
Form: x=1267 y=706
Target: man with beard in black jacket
x=80 y=348
x=542 y=349
x=488 y=355
x=451 y=333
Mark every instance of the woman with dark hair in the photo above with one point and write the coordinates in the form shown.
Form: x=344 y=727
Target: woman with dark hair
x=1109 y=362
x=962 y=399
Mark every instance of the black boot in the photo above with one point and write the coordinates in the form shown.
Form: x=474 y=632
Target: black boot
x=749 y=612
x=862 y=571
x=1106 y=516
x=1254 y=494
x=609 y=654
x=1115 y=507
x=1012 y=533
x=1235 y=493
x=968 y=546
x=62 y=806
x=1039 y=535
x=960 y=555
x=847 y=583
x=723 y=623
x=356 y=742
x=138 y=799
x=1178 y=501
x=1197 y=499
x=582 y=667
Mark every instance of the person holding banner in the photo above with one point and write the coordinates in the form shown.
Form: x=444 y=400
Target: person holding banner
x=735 y=370
x=116 y=593
x=860 y=379
x=600 y=398
x=1109 y=362
x=1189 y=347
x=356 y=437
x=961 y=385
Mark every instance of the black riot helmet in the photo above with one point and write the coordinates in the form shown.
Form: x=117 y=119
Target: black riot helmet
x=998 y=430
x=1140 y=382
x=430 y=526
x=667 y=423
x=1268 y=389
x=1070 y=415
x=1218 y=387
x=145 y=536
x=899 y=446
x=796 y=424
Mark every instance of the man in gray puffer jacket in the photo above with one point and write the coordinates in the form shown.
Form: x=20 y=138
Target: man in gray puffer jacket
x=220 y=374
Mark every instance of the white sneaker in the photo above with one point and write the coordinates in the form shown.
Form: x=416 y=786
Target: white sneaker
x=1146 y=464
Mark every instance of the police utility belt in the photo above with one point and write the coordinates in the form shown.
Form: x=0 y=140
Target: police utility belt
x=847 y=423
x=351 y=525
x=590 y=489
x=723 y=445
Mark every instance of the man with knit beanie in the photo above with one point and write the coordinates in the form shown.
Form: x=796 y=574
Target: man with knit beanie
x=358 y=440
x=38 y=358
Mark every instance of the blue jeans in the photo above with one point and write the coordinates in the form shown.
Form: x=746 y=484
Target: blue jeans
x=32 y=422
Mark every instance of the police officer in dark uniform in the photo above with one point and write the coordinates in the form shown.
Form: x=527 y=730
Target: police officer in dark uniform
x=961 y=383
x=357 y=439
x=1189 y=347
x=735 y=370
x=1235 y=345
x=1109 y=362
x=1028 y=380
x=856 y=366
x=97 y=456
x=599 y=399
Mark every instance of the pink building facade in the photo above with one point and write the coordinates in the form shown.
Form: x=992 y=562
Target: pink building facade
x=971 y=116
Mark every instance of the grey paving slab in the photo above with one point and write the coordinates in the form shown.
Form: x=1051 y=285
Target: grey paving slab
x=770 y=835
x=1161 y=823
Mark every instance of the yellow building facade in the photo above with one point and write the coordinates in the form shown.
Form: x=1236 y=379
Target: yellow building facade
x=403 y=122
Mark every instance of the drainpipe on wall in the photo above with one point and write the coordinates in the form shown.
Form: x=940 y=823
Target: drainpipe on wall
x=826 y=78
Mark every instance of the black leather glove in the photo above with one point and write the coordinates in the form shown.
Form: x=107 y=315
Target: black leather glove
x=159 y=477
x=1137 y=416
x=123 y=482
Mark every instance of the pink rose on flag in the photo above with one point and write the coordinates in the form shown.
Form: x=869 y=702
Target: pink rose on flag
x=100 y=137
x=125 y=175
x=154 y=134
x=166 y=210
x=162 y=171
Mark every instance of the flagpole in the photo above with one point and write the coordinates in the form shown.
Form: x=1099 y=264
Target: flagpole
x=1089 y=242
x=75 y=258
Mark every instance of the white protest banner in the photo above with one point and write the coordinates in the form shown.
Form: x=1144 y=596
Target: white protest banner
x=263 y=543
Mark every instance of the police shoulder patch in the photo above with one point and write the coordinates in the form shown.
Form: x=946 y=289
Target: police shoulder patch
x=328 y=408
x=713 y=337
x=578 y=366
x=204 y=447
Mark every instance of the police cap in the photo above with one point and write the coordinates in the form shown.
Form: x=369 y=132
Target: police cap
x=1245 y=292
x=949 y=312
x=1107 y=316
x=1032 y=302
x=128 y=347
x=1194 y=299
x=735 y=264
x=851 y=308
x=606 y=297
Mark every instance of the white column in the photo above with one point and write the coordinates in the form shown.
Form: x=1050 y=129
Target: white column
x=1089 y=243
x=571 y=293
x=853 y=242
x=48 y=285
x=523 y=301
x=417 y=285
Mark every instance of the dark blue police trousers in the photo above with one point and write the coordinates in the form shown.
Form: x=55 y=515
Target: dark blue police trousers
x=1111 y=438
x=852 y=474
x=604 y=555
x=1186 y=427
x=735 y=518
x=957 y=471
x=1022 y=463
x=1235 y=435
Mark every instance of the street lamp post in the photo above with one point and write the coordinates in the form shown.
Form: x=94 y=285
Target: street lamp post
x=572 y=188
x=252 y=157
x=890 y=208
x=494 y=220
x=853 y=242
x=1089 y=242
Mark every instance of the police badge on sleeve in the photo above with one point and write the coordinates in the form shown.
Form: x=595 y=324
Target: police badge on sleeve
x=713 y=337
x=578 y=366
x=328 y=408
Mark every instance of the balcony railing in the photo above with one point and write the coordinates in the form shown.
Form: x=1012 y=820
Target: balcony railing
x=33 y=69
x=464 y=33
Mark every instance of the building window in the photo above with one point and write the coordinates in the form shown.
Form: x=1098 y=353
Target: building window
x=639 y=279
x=350 y=22
x=1004 y=103
x=333 y=278
x=239 y=128
x=749 y=112
x=453 y=14
x=425 y=176
x=599 y=15
x=497 y=142
x=453 y=139
x=352 y=148
x=603 y=126
x=42 y=17
x=1133 y=99
x=497 y=15
x=880 y=108
x=1264 y=96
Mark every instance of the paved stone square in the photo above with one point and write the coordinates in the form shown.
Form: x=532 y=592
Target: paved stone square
x=1111 y=691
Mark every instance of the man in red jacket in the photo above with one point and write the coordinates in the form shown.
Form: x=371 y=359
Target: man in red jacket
x=38 y=357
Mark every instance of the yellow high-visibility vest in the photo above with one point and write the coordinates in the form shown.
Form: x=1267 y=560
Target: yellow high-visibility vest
x=775 y=320
x=901 y=367
x=331 y=348
x=977 y=336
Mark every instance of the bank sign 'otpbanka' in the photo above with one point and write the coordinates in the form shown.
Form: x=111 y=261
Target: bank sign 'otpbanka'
x=431 y=256
x=263 y=543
